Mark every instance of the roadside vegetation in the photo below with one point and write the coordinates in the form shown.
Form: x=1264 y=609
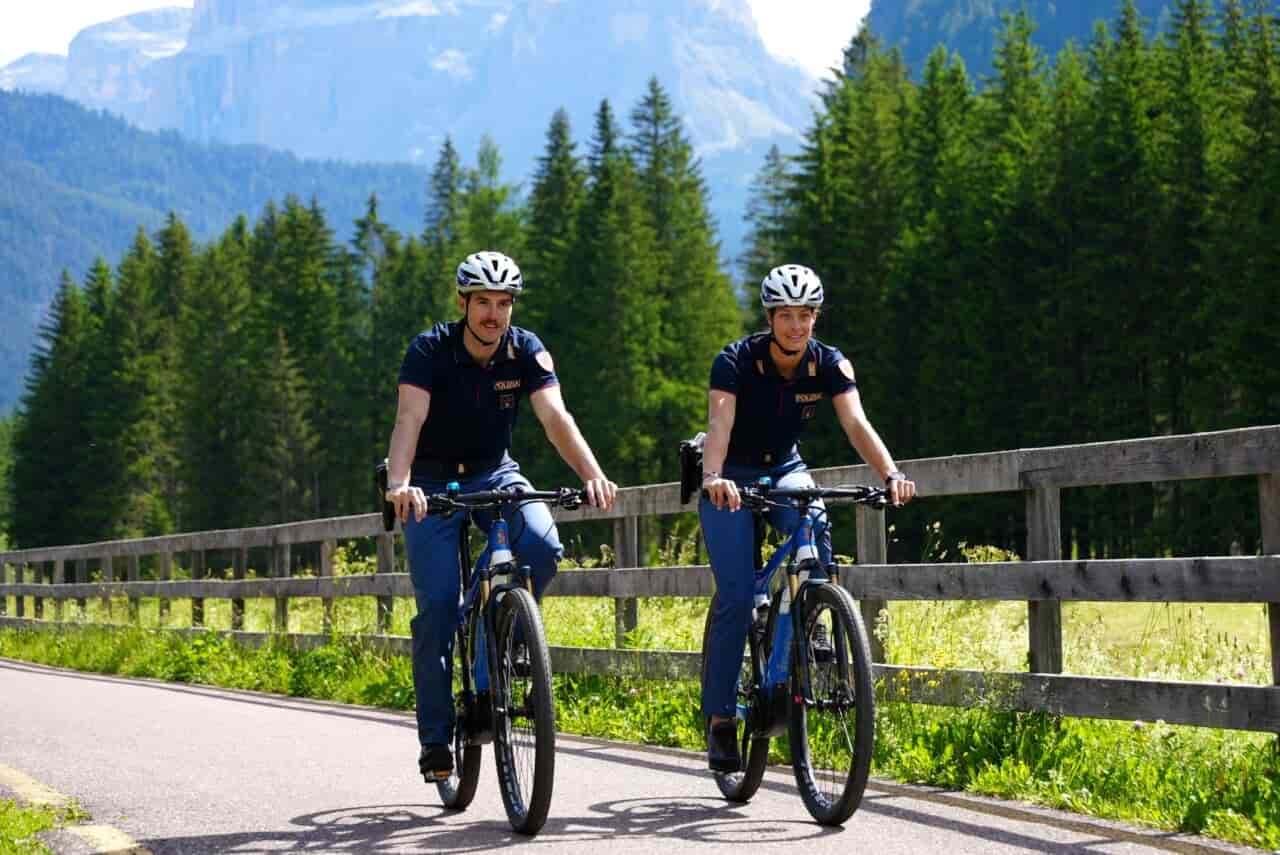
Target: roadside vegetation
x=1218 y=783
x=19 y=825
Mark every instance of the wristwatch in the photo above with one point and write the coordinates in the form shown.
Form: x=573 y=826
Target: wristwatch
x=895 y=475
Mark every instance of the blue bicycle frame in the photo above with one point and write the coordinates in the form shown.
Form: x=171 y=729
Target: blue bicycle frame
x=803 y=547
x=801 y=552
x=494 y=573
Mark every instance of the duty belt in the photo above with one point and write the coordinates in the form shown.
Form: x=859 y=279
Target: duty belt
x=445 y=470
x=759 y=458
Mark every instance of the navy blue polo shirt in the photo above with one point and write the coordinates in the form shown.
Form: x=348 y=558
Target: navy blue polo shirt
x=771 y=410
x=473 y=406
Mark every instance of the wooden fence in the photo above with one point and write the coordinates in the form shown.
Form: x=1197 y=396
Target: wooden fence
x=1044 y=581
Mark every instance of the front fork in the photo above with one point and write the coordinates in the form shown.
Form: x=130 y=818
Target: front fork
x=787 y=630
x=499 y=576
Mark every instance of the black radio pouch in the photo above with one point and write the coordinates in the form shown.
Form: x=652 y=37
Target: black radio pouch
x=691 y=467
x=388 y=509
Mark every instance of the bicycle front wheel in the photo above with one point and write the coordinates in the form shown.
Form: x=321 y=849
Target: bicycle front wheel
x=742 y=785
x=525 y=727
x=833 y=716
x=457 y=791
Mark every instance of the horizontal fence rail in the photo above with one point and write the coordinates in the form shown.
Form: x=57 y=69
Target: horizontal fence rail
x=60 y=573
x=1151 y=580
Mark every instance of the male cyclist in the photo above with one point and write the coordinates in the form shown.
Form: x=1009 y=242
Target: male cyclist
x=459 y=388
x=764 y=389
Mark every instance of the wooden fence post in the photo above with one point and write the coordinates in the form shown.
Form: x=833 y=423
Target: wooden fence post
x=1269 y=514
x=37 y=602
x=166 y=574
x=1044 y=543
x=59 y=578
x=134 y=574
x=82 y=576
x=283 y=567
x=106 y=574
x=4 y=598
x=386 y=564
x=19 y=601
x=626 y=553
x=326 y=570
x=873 y=548
x=240 y=565
x=197 y=572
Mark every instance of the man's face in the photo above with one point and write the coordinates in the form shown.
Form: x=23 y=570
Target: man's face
x=793 y=325
x=488 y=312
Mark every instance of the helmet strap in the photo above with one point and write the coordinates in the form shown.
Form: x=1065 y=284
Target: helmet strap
x=778 y=345
x=467 y=323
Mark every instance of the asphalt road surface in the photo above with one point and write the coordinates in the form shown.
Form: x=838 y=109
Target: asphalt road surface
x=191 y=769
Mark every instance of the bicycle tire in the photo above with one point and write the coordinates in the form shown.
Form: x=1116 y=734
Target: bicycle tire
x=458 y=790
x=830 y=755
x=525 y=757
x=740 y=786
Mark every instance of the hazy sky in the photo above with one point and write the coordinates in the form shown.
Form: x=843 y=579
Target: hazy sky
x=811 y=32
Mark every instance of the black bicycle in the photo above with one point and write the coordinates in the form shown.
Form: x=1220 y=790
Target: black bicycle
x=807 y=666
x=501 y=664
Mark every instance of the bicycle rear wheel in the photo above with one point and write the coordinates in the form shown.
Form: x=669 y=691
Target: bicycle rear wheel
x=525 y=727
x=741 y=786
x=457 y=791
x=832 y=728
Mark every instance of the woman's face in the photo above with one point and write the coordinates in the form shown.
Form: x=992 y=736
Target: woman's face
x=792 y=326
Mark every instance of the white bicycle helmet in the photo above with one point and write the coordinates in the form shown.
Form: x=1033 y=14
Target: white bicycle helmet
x=791 y=285
x=489 y=271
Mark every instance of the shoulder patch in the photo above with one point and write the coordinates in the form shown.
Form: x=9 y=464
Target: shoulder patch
x=846 y=368
x=544 y=359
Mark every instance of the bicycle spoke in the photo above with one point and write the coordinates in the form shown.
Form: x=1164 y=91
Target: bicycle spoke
x=521 y=726
x=832 y=728
x=525 y=740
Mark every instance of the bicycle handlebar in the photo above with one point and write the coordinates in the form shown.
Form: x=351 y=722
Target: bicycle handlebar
x=757 y=497
x=569 y=498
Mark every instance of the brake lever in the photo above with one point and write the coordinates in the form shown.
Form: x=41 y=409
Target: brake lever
x=441 y=506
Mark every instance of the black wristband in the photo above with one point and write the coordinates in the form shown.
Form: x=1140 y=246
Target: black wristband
x=895 y=475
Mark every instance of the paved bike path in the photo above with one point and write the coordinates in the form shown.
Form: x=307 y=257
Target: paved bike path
x=190 y=769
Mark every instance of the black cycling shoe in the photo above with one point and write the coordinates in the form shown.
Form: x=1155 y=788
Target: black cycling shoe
x=435 y=762
x=722 y=747
x=520 y=661
x=820 y=645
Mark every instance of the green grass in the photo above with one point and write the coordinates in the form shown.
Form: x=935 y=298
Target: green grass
x=20 y=824
x=1220 y=783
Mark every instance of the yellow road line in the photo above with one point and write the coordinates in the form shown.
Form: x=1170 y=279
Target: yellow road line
x=30 y=790
x=103 y=839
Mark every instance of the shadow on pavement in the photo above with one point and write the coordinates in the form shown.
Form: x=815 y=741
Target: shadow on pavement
x=425 y=828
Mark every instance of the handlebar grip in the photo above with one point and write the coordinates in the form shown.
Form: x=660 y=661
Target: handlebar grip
x=439 y=505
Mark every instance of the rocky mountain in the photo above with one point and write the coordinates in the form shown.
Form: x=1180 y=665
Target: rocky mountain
x=355 y=81
x=969 y=27
x=35 y=72
x=387 y=80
